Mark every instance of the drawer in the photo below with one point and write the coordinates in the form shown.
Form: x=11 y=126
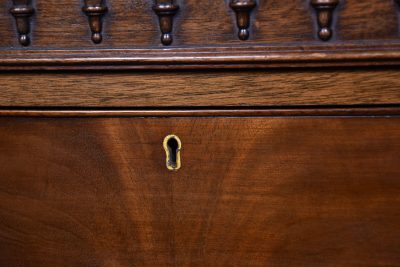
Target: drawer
x=251 y=191
x=189 y=88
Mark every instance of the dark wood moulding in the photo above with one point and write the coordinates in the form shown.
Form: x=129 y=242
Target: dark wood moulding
x=208 y=57
x=284 y=112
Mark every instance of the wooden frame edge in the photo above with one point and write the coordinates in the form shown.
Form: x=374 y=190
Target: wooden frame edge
x=65 y=113
x=212 y=57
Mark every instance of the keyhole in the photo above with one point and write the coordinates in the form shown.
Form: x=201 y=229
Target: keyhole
x=172 y=146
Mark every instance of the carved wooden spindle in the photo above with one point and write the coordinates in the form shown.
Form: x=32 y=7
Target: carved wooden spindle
x=324 y=10
x=243 y=9
x=166 y=11
x=22 y=10
x=95 y=9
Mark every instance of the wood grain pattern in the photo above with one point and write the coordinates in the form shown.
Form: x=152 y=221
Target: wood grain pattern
x=201 y=88
x=375 y=54
x=353 y=25
x=251 y=192
x=280 y=31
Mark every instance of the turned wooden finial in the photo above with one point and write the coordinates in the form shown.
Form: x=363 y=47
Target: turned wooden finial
x=95 y=12
x=22 y=10
x=166 y=12
x=324 y=10
x=243 y=9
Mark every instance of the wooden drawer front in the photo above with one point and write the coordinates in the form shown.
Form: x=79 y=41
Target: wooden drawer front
x=268 y=191
x=201 y=88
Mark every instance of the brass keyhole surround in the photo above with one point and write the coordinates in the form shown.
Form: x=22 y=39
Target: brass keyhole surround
x=172 y=146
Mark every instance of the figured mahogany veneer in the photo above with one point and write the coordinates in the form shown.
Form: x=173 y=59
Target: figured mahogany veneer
x=276 y=146
x=270 y=191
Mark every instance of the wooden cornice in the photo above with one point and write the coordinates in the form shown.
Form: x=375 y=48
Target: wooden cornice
x=208 y=57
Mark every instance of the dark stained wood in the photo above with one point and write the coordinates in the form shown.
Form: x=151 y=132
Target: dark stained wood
x=235 y=112
x=324 y=16
x=22 y=10
x=199 y=149
x=352 y=24
x=376 y=54
x=243 y=10
x=201 y=88
x=283 y=33
x=166 y=10
x=251 y=192
x=95 y=11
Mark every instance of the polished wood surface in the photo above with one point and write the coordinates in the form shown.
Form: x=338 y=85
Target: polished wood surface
x=201 y=112
x=22 y=10
x=199 y=133
x=95 y=10
x=294 y=191
x=273 y=32
x=211 y=23
x=345 y=86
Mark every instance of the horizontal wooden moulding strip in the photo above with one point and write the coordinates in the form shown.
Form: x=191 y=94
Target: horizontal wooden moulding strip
x=220 y=57
x=285 y=112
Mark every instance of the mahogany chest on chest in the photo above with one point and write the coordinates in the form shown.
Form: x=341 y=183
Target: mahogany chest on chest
x=199 y=133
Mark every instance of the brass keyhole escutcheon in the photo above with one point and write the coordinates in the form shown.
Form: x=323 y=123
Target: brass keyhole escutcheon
x=172 y=146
